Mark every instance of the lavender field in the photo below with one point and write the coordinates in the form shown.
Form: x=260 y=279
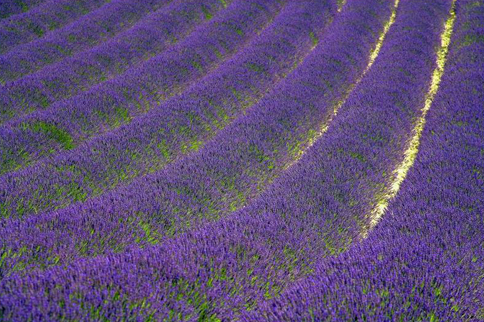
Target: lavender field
x=242 y=160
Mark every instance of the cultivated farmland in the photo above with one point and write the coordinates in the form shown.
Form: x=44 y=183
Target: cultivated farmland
x=242 y=160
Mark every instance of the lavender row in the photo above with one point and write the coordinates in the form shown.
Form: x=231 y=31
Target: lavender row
x=425 y=259
x=12 y=7
x=42 y=19
x=212 y=181
x=146 y=145
x=117 y=101
x=364 y=12
x=149 y=37
x=88 y=31
x=222 y=269
x=251 y=256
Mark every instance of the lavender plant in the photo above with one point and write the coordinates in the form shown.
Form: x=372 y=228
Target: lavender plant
x=11 y=7
x=89 y=30
x=119 y=100
x=424 y=260
x=325 y=165
x=149 y=37
x=144 y=147
x=42 y=19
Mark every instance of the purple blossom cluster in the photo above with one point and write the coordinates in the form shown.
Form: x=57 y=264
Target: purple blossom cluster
x=143 y=146
x=42 y=19
x=234 y=176
x=424 y=261
x=150 y=36
x=173 y=190
x=110 y=104
x=12 y=7
x=87 y=31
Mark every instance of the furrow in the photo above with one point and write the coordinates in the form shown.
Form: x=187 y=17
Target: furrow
x=245 y=259
x=165 y=203
x=113 y=103
x=228 y=268
x=149 y=37
x=10 y=8
x=41 y=20
x=410 y=153
x=193 y=118
x=324 y=127
x=341 y=4
x=88 y=31
x=286 y=161
x=424 y=260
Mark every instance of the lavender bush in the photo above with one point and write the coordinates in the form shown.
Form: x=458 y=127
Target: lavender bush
x=147 y=38
x=424 y=261
x=42 y=19
x=325 y=165
x=97 y=26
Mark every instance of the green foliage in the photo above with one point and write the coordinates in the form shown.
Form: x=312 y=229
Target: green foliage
x=53 y=132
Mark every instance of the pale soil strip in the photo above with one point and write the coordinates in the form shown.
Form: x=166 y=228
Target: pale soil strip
x=373 y=55
x=410 y=153
x=341 y=4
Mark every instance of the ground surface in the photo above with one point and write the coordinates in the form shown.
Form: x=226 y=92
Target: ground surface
x=242 y=160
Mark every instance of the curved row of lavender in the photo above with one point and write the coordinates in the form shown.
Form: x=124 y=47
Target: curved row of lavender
x=117 y=101
x=425 y=259
x=145 y=130
x=89 y=30
x=38 y=21
x=230 y=265
x=147 y=38
x=142 y=146
x=12 y=7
